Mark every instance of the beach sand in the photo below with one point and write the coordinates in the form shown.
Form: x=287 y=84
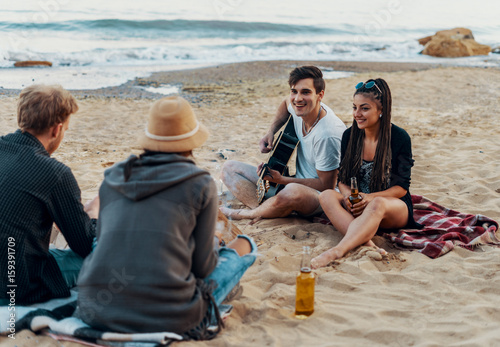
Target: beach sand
x=408 y=299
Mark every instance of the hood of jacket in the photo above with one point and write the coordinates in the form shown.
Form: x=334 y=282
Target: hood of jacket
x=140 y=177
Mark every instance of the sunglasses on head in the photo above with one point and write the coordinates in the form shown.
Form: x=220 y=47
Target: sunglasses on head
x=368 y=85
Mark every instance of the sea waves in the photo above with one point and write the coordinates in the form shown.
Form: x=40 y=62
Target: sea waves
x=111 y=42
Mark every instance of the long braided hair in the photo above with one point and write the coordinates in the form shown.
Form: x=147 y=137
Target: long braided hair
x=353 y=157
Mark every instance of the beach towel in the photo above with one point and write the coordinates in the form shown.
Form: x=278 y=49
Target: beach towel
x=443 y=229
x=54 y=318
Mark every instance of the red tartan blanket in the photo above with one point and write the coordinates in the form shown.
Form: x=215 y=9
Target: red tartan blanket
x=443 y=229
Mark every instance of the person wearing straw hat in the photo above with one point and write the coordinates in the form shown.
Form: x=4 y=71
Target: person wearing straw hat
x=157 y=266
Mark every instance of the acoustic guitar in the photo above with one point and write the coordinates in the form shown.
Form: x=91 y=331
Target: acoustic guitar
x=283 y=148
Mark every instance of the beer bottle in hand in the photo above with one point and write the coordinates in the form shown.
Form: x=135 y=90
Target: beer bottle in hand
x=304 y=298
x=354 y=198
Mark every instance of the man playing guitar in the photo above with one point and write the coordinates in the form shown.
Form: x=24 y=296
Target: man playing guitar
x=319 y=132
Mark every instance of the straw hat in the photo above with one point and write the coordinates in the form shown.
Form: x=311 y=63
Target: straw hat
x=172 y=127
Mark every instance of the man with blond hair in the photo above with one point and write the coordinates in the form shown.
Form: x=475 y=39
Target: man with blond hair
x=38 y=191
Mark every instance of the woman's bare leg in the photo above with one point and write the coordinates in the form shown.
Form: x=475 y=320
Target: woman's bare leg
x=388 y=212
x=331 y=202
x=241 y=245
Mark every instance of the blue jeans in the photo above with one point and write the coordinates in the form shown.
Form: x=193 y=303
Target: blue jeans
x=230 y=268
x=228 y=272
x=69 y=263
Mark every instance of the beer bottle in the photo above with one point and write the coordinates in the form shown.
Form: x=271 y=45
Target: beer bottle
x=304 y=297
x=354 y=198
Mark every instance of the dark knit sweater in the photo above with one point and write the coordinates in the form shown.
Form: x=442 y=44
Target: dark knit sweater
x=37 y=191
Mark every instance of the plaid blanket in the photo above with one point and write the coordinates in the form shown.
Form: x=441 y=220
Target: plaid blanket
x=443 y=229
x=55 y=319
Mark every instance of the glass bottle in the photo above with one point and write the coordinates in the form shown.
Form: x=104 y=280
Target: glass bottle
x=304 y=297
x=354 y=198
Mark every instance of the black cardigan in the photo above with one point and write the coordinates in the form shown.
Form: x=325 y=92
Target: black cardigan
x=401 y=164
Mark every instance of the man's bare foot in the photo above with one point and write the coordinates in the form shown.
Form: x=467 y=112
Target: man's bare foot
x=234 y=214
x=326 y=258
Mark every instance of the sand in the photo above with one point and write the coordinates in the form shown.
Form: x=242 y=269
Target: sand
x=407 y=299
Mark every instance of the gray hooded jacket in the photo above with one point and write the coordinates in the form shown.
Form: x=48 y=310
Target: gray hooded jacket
x=154 y=239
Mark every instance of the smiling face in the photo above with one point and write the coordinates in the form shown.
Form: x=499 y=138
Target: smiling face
x=305 y=101
x=366 y=111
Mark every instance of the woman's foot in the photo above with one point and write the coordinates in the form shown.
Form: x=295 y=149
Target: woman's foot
x=374 y=253
x=372 y=244
x=326 y=258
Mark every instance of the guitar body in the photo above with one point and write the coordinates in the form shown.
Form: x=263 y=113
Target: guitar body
x=283 y=148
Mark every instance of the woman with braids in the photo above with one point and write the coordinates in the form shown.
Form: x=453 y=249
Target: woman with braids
x=378 y=154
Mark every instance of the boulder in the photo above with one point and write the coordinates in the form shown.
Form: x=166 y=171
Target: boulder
x=458 y=42
x=29 y=63
x=423 y=41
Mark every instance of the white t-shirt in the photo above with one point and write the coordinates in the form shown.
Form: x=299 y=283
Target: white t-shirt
x=320 y=149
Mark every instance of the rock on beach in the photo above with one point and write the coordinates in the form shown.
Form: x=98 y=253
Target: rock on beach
x=457 y=42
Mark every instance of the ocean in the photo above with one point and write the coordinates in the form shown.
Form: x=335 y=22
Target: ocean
x=97 y=43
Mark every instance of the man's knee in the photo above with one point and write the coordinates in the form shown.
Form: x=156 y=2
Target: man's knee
x=282 y=201
x=294 y=194
x=233 y=170
x=291 y=191
x=294 y=188
x=228 y=166
x=229 y=169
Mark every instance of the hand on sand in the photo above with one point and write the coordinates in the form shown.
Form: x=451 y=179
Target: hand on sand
x=92 y=207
